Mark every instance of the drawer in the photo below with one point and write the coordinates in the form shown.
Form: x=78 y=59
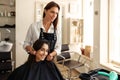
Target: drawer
x=5 y=56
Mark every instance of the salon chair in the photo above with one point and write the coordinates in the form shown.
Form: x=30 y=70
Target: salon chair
x=68 y=63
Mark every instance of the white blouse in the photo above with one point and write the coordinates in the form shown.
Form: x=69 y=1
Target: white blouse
x=34 y=32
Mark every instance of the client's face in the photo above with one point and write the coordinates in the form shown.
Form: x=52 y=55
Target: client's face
x=42 y=53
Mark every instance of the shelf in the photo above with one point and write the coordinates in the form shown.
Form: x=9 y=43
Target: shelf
x=7 y=30
x=7 y=5
x=8 y=26
x=7 y=16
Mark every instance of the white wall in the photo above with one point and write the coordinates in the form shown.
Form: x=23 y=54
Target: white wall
x=24 y=17
x=96 y=34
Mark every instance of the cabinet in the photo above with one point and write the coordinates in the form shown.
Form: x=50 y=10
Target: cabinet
x=5 y=64
x=7 y=22
x=75 y=30
x=7 y=32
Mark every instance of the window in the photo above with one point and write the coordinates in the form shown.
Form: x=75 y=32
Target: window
x=110 y=34
x=114 y=32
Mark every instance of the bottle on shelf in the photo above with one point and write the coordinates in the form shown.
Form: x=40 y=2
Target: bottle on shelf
x=12 y=3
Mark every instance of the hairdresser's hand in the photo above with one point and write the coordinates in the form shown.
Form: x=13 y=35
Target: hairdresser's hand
x=30 y=50
x=33 y=52
x=50 y=57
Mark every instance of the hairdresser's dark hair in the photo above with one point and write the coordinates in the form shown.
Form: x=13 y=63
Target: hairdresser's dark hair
x=49 y=6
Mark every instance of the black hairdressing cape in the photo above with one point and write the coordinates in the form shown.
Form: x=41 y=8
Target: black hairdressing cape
x=42 y=70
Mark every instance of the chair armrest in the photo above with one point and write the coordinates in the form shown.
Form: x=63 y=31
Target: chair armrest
x=61 y=56
x=70 y=52
x=76 y=53
x=63 y=59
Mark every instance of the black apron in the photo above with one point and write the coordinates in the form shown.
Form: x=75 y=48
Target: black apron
x=43 y=70
x=51 y=37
